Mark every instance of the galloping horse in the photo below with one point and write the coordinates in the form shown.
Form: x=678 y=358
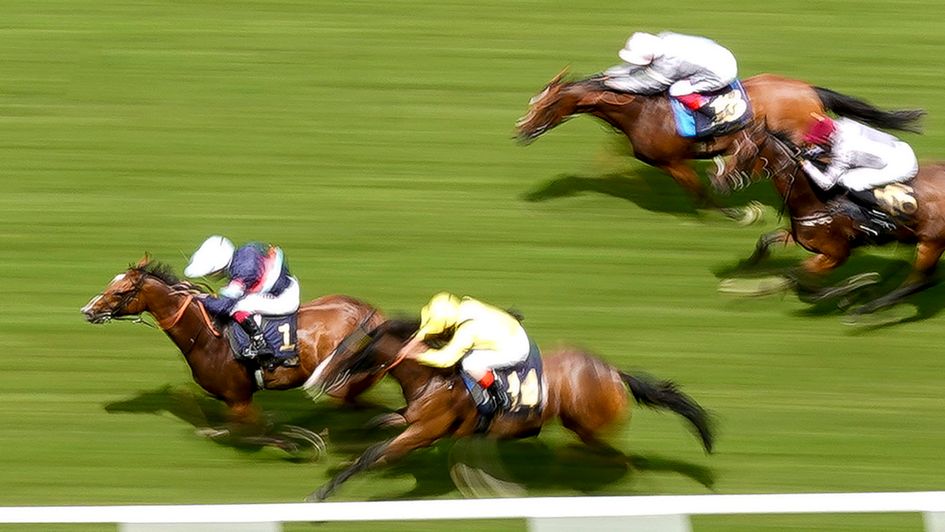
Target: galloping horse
x=649 y=125
x=586 y=393
x=826 y=224
x=152 y=287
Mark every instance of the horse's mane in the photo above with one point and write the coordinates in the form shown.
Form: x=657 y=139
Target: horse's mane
x=595 y=82
x=158 y=269
x=784 y=137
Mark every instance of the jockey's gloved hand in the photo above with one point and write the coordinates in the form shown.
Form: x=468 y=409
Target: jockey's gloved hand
x=813 y=153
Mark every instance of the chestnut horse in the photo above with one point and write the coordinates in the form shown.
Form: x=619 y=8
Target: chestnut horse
x=587 y=394
x=322 y=325
x=827 y=224
x=648 y=122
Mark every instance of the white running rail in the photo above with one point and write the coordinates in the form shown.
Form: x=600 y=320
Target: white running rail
x=542 y=512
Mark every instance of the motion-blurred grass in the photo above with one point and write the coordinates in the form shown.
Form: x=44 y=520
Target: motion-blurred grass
x=373 y=141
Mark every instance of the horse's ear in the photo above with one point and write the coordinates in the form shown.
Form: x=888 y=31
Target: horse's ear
x=144 y=260
x=559 y=76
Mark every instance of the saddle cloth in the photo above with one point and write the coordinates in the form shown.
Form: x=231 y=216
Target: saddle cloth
x=280 y=332
x=731 y=107
x=524 y=384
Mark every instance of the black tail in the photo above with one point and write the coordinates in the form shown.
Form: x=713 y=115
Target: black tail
x=665 y=394
x=848 y=106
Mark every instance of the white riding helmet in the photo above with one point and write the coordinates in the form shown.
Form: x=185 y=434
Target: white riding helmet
x=641 y=49
x=212 y=256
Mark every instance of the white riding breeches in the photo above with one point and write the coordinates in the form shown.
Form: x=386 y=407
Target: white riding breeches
x=901 y=165
x=285 y=303
x=479 y=361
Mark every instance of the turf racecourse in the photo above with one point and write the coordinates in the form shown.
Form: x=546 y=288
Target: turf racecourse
x=372 y=140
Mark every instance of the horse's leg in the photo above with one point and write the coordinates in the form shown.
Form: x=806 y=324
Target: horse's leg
x=416 y=436
x=814 y=268
x=779 y=236
x=243 y=417
x=921 y=277
x=686 y=176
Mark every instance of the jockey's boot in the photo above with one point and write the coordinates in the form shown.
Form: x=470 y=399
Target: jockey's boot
x=258 y=347
x=880 y=221
x=697 y=103
x=486 y=403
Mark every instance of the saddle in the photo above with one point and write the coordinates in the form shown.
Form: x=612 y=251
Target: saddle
x=731 y=110
x=522 y=389
x=879 y=211
x=280 y=331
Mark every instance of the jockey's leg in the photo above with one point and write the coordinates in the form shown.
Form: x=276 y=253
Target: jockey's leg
x=286 y=302
x=257 y=342
x=479 y=374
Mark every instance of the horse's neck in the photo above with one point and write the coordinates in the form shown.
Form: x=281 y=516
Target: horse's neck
x=182 y=325
x=617 y=109
x=794 y=187
x=413 y=378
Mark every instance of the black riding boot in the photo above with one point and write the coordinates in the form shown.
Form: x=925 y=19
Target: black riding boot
x=258 y=347
x=879 y=220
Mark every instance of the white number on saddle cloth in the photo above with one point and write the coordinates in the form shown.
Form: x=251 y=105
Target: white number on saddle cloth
x=728 y=107
x=523 y=393
x=898 y=198
x=286 y=331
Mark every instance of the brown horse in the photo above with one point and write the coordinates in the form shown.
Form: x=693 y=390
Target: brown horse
x=648 y=123
x=587 y=394
x=828 y=224
x=322 y=325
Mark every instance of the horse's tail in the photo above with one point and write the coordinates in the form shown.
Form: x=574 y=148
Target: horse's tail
x=665 y=394
x=843 y=105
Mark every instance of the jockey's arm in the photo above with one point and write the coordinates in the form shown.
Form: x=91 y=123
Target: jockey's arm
x=219 y=306
x=451 y=353
x=822 y=180
x=639 y=81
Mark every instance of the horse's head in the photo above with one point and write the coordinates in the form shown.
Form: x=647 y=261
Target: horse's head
x=547 y=109
x=122 y=296
x=736 y=170
x=362 y=354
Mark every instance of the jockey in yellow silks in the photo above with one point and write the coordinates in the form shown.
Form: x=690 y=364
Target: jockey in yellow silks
x=484 y=338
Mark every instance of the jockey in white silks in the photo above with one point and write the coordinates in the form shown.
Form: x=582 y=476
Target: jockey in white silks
x=860 y=158
x=686 y=65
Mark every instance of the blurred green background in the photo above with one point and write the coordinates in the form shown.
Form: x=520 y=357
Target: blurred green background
x=372 y=140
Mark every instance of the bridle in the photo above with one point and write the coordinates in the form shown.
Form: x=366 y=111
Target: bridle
x=127 y=296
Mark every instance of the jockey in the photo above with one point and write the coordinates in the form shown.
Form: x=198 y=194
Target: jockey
x=260 y=283
x=686 y=65
x=860 y=159
x=484 y=338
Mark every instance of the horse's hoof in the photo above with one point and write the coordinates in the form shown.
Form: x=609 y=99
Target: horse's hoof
x=318 y=495
x=213 y=433
x=865 y=317
x=848 y=286
x=750 y=214
x=764 y=286
x=314 y=444
x=753 y=213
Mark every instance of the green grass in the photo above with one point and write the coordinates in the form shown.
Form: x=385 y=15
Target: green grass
x=372 y=140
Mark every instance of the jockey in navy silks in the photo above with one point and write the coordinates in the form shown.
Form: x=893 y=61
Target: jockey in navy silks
x=260 y=283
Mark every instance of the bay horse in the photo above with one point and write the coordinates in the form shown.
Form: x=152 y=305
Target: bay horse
x=649 y=125
x=584 y=392
x=322 y=325
x=827 y=224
